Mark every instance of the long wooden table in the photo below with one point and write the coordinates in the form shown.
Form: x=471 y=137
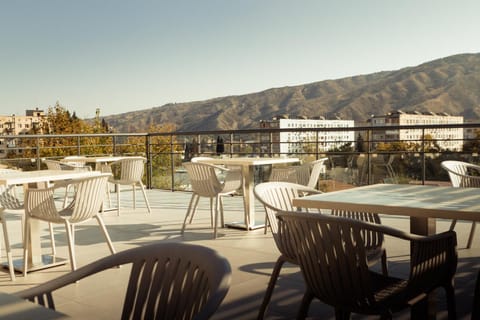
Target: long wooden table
x=423 y=204
x=36 y=259
x=247 y=165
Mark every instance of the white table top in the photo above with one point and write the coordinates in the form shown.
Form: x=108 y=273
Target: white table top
x=102 y=159
x=402 y=199
x=249 y=161
x=22 y=177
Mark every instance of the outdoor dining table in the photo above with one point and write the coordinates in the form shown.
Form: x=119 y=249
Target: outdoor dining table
x=247 y=164
x=422 y=203
x=100 y=161
x=36 y=259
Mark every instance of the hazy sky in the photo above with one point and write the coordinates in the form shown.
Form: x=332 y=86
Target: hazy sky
x=122 y=55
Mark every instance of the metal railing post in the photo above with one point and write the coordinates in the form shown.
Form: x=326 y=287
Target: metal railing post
x=423 y=156
x=78 y=146
x=39 y=162
x=172 y=163
x=149 y=160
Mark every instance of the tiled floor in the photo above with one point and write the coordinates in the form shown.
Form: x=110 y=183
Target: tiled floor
x=251 y=254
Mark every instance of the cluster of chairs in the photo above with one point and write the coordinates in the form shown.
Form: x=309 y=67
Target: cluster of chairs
x=86 y=203
x=167 y=280
x=205 y=182
x=335 y=250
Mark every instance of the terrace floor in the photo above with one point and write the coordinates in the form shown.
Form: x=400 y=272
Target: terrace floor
x=251 y=254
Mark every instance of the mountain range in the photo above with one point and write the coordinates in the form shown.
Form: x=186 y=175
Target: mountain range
x=450 y=84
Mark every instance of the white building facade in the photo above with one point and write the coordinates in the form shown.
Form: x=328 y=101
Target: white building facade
x=12 y=125
x=446 y=138
x=297 y=141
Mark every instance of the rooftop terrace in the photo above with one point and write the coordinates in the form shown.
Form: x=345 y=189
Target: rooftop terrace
x=251 y=255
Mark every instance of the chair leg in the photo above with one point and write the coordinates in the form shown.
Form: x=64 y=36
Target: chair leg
x=71 y=244
x=271 y=285
x=211 y=213
x=222 y=220
x=451 y=304
x=145 y=196
x=472 y=233
x=266 y=223
x=215 y=224
x=52 y=239
x=105 y=233
x=452 y=226
x=118 y=199
x=307 y=299
x=134 y=197
x=108 y=196
x=25 y=247
x=194 y=208
x=8 y=250
x=384 y=263
x=476 y=299
x=190 y=211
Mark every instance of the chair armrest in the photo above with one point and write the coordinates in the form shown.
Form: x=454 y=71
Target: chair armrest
x=433 y=258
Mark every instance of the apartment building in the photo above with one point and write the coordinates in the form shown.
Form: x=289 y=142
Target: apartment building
x=446 y=138
x=298 y=141
x=12 y=125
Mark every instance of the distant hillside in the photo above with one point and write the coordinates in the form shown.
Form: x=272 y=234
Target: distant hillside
x=450 y=84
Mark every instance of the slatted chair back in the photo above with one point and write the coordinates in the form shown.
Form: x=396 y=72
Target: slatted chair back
x=167 y=281
x=462 y=174
x=275 y=197
x=8 y=199
x=130 y=170
x=333 y=258
x=373 y=241
x=87 y=201
x=203 y=179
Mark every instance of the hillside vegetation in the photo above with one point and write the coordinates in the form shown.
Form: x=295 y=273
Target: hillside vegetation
x=450 y=84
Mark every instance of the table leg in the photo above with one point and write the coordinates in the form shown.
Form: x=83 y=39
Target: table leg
x=425 y=309
x=248 y=201
x=248 y=196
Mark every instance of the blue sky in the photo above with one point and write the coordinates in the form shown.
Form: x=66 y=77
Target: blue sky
x=122 y=55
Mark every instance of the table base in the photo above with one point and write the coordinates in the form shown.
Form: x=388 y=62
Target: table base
x=48 y=261
x=243 y=226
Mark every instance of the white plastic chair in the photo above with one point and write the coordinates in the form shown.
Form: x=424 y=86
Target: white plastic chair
x=463 y=175
x=277 y=196
x=205 y=183
x=166 y=281
x=8 y=201
x=130 y=173
x=88 y=200
x=306 y=174
x=59 y=165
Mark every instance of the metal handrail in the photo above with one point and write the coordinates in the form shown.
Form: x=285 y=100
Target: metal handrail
x=173 y=144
